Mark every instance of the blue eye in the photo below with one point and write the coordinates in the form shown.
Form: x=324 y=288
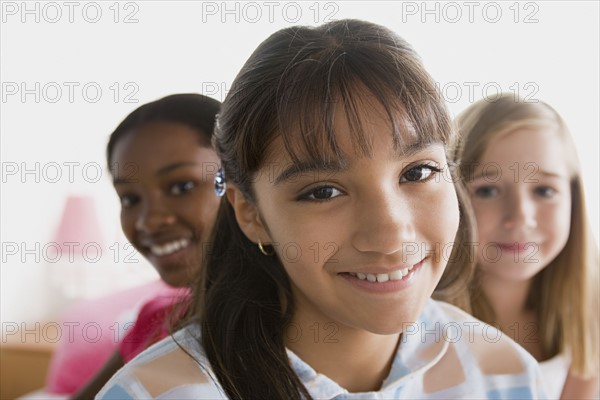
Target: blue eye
x=182 y=187
x=419 y=173
x=486 y=191
x=545 y=191
x=321 y=193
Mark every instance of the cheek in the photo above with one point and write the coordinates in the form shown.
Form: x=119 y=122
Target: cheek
x=303 y=242
x=557 y=222
x=128 y=226
x=436 y=216
x=203 y=209
x=445 y=218
x=486 y=217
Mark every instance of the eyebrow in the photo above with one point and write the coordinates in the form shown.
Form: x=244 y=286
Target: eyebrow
x=414 y=147
x=481 y=175
x=525 y=173
x=305 y=167
x=334 y=167
x=552 y=174
x=163 y=171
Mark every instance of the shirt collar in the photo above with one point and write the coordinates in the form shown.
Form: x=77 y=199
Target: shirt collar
x=421 y=346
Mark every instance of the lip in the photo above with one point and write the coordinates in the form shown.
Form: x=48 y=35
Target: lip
x=389 y=286
x=516 y=247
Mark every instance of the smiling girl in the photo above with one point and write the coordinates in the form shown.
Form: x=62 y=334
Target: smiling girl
x=163 y=166
x=537 y=262
x=337 y=226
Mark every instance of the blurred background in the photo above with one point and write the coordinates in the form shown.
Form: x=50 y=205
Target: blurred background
x=71 y=73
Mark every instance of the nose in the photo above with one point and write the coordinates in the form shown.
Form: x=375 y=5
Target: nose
x=519 y=212
x=153 y=216
x=384 y=223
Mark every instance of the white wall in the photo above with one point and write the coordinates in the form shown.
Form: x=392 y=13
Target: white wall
x=549 y=51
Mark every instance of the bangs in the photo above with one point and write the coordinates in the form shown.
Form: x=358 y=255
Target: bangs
x=314 y=90
x=300 y=79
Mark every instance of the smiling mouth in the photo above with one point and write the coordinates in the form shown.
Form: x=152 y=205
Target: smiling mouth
x=169 y=247
x=380 y=278
x=517 y=246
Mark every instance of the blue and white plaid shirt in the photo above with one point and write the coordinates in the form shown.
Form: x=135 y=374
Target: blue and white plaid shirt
x=446 y=354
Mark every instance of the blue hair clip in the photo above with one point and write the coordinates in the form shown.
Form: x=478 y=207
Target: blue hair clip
x=220 y=184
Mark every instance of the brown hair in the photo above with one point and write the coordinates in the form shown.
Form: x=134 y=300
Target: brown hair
x=289 y=88
x=193 y=110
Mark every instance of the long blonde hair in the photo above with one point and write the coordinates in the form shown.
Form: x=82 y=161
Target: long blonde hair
x=565 y=294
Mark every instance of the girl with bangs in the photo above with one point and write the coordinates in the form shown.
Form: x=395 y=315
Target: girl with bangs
x=537 y=275
x=339 y=221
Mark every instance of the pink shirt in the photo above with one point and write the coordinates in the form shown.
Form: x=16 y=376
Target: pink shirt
x=92 y=331
x=153 y=323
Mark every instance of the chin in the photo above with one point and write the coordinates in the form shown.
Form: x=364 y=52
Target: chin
x=391 y=325
x=514 y=273
x=175 y=279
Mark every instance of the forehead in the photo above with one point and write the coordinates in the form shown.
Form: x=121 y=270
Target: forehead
x=155 y=149
x=156 y=138
x=349 y=134
x=541 y=147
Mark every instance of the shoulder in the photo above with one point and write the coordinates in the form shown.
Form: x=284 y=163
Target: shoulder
x=163 y=304
x=554 y=372
x=495 y=352
x=175 y=367
x=151 y=325
x=481 y=354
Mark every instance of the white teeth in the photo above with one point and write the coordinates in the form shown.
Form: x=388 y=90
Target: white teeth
x=392 y=276
x=169 y=248
x=396 y=275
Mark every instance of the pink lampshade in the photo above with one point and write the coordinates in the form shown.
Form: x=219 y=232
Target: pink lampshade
x=78 y=224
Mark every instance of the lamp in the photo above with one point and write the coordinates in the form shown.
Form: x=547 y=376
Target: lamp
x=78 y=227
x=77 y=246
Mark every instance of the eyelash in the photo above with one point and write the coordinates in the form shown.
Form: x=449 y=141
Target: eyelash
x=551 y=190
x=133 y=199
x=538 y=191
x=307 y=195
x=186 y=188
x=479 y=191
x=433 y=168
x=183 y=186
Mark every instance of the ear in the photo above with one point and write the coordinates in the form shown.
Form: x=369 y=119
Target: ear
x=247 y=216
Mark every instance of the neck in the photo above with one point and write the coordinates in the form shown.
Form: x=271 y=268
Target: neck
x=326 y=345
x=509 y=302
x=507 y=298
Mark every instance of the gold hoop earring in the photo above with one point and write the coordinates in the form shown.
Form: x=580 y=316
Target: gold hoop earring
x=262 y=249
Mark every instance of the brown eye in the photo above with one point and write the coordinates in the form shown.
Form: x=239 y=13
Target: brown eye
x=128 y=201
x=419 y=173
x=182 y=187
x=322 y=193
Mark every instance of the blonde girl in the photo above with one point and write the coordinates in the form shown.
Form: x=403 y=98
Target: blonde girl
x=537 y=275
